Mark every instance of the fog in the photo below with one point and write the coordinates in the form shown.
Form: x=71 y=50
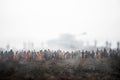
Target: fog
x=42 y=22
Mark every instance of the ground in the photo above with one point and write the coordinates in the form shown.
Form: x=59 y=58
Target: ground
x=72 y=69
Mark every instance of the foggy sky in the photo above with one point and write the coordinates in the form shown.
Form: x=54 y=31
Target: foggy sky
x=38 y=21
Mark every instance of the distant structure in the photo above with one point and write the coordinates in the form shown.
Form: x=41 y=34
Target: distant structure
x=95 y=43
x=66 y=42
x=110 y=44
x=118 y=45
x=106 y=44
x=28 y=46
x=7 y=47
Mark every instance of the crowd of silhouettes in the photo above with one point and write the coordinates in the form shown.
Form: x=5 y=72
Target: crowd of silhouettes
x=57 y=55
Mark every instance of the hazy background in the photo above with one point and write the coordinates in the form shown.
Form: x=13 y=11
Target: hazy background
x=43 y=21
